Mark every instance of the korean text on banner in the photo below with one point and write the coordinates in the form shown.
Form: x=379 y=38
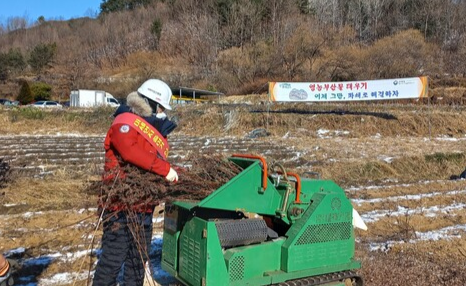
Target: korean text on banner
x=402 y=88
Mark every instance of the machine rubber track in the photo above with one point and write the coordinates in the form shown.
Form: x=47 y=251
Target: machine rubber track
x=353 y=279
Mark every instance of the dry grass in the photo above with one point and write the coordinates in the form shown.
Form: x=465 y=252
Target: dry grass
x=35 y=121
x=61 y=191
x=47 y=216
x=415 y=265
x=234 y=117
x=354 y=170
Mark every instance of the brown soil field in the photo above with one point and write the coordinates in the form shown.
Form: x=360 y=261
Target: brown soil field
x=394 y=161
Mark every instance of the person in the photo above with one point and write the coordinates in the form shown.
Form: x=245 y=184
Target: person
x=6 y=271
x=138 y=137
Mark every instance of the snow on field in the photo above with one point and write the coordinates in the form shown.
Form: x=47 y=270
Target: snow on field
x=445 y=233
x=433 y=211
x=323 y=133
x=415 y=197
x=43 y=261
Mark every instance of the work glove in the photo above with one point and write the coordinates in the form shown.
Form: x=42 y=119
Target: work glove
x=172 y=175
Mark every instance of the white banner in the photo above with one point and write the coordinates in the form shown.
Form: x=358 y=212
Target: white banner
x=402 y=88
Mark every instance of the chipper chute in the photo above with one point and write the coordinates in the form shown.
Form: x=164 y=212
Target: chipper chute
x=263 y=227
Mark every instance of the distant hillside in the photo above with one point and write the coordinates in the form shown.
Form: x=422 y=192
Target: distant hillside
x=236 y=47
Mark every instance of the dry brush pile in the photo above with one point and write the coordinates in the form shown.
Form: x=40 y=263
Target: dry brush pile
x=139 y=187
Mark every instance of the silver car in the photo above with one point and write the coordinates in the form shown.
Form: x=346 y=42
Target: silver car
x=46 y=104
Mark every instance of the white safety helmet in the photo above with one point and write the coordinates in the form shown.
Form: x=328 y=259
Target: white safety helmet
x=158 y=91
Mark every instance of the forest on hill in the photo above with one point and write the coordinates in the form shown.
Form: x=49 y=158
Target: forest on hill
x=235 y=47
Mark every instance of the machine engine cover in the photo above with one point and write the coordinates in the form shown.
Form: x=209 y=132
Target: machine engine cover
x=241 y=231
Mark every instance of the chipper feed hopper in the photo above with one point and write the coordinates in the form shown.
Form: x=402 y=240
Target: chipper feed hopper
x=263 y=227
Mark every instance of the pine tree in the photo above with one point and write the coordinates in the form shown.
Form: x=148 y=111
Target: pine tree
x=42 y=56
x=41 y=91
x=25 y=95
x=108 y=6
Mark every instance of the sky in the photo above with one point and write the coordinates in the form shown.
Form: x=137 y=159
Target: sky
x=50 y=9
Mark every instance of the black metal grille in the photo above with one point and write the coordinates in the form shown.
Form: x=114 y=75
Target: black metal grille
x=237 y=269
x=241 y=231
x=325 y=233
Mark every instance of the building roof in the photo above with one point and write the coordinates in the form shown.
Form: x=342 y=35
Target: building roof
x=193 y=93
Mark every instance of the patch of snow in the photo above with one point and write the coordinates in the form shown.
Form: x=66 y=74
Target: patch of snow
x=31 y=214
x=72 y=256
x=386 y=159
x=407 y=197
x=10 y=205
x=324 y=133
x=383 y=246
x=16 y=251
x=341 y=132
x=445 y=233
x=374 y=216
x=63 y=278
x=446 y=138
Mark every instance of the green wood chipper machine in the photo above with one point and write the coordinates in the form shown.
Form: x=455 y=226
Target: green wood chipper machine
x=263 y=227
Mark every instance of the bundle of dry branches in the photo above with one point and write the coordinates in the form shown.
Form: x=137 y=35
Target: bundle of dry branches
x=139 y=187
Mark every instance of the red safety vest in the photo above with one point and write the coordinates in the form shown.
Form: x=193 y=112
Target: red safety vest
x=148 y=131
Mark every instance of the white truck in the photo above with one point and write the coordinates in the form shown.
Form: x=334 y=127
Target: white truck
x=92 y=98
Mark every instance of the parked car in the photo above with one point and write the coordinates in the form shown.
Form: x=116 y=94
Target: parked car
x=4 y=101
x=46 y=104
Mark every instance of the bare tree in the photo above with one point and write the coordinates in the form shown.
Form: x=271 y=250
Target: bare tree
x=194 y=37
x=16 y=23
x=376 y=9
x=243 y=23
x=327 y=12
